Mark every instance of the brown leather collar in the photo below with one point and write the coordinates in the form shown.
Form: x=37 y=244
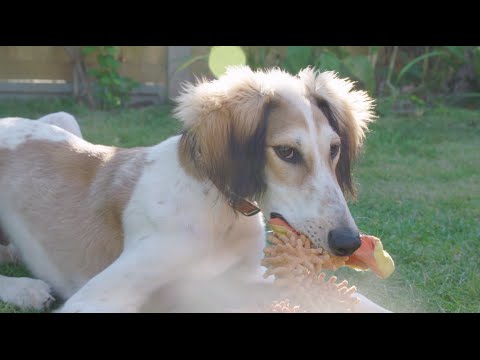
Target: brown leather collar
x=244 y=206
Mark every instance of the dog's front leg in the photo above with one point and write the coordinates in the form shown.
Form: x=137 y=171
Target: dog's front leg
x=142 y=268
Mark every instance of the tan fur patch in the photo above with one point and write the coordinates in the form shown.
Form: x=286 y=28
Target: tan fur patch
x=206 y=143
x=225 y=120
x=71 y=196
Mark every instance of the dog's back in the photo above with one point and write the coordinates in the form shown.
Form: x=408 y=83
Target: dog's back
x=63 y=120
x=64 y=176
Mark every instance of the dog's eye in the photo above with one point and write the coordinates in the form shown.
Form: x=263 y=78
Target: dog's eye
x=334 y=149
x=287 y=153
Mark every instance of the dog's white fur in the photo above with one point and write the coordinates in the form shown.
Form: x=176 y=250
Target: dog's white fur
x=64 y=121
x=110 y=229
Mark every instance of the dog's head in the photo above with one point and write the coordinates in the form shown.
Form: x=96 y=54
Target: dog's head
x=285 y=141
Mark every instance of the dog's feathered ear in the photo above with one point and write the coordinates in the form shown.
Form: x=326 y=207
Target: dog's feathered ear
x=224 y=132
x=348 y=111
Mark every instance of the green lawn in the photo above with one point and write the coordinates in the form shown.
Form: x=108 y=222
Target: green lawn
x=419 y=191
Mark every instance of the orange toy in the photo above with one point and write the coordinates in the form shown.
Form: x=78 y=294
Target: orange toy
x=297 y=267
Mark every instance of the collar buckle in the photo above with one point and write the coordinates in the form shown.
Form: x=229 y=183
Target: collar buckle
x=244 y=206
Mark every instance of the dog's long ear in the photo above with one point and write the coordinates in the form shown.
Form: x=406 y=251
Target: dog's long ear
x=348 y=111
x=224 y=132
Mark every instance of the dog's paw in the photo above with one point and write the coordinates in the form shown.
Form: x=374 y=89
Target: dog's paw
x=27 y=293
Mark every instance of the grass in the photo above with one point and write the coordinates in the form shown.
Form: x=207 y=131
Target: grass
x=419 y=192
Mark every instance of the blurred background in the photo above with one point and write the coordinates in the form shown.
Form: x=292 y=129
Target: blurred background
x=418 y=178
x=119 y=76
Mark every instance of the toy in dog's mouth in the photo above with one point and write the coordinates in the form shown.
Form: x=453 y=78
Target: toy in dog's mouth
x=370 y=254
x=279 y=220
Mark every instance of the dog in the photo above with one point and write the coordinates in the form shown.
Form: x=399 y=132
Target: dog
x=107 y=229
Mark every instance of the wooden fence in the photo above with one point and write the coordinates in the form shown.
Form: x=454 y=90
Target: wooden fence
x=41 y=71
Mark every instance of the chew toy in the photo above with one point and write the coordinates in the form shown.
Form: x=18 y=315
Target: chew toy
x=297 y=267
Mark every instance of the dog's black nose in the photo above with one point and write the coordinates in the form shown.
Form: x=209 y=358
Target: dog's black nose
x=343 y=241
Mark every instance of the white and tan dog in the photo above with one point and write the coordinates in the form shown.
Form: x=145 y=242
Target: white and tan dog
x=107 y=228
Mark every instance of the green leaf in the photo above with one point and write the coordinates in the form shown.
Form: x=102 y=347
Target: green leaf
x=87 y=50
x=476 y=61
x=372 y=50
x=102 y=60
x=105 y=80
x=417 y=100
x=361 y=68
x=339 y=51
x=260 y=58
x=457 y=51
x=222 y=56
x=112 y=50
x=408 y=66
x=108 y=61
x=190 y=61
x=298 y=57
x=94 y=72
x=117 y=81
x=328 y=62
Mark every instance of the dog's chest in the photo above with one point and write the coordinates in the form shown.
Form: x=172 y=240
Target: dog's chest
x=178 y=210
x=230 y=241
